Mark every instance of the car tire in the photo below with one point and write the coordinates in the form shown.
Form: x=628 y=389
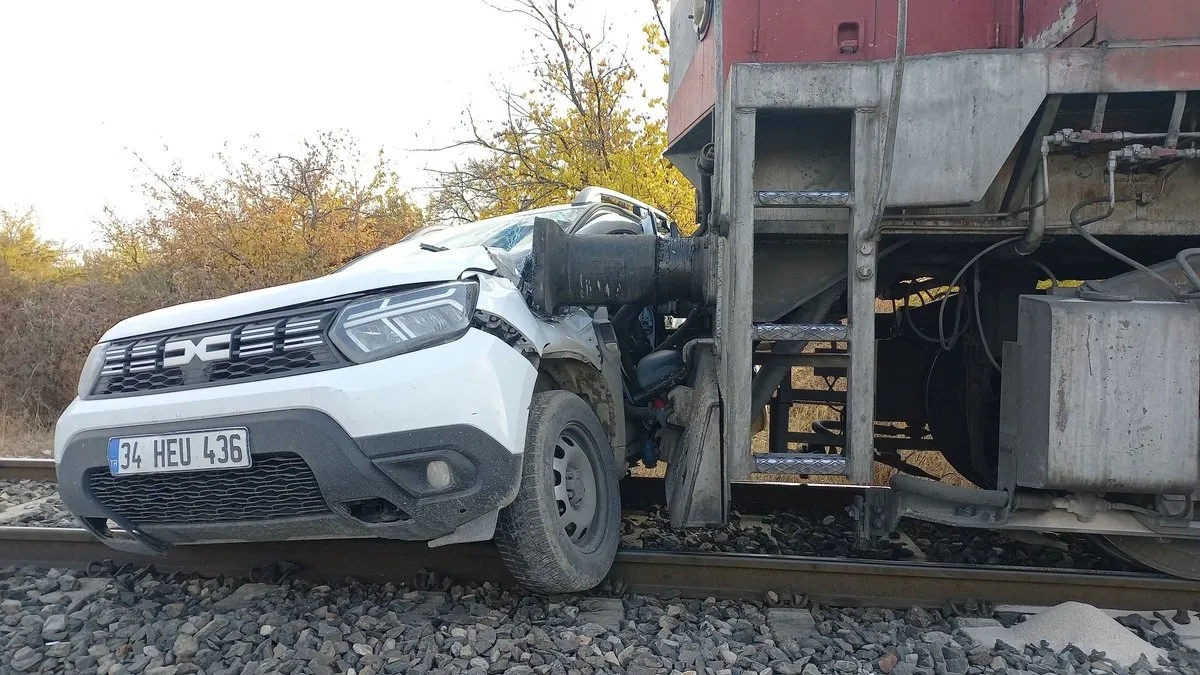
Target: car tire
x=560 y=534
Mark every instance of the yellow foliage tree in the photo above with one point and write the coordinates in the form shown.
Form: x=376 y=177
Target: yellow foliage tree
x=268 y=220
x=588 y=122
x=26 y=257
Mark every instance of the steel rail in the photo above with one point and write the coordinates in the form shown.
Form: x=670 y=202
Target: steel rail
x=833 y=581
x=26 y=468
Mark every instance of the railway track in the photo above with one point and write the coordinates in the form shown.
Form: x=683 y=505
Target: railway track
x=26 y=468
x=835 y=581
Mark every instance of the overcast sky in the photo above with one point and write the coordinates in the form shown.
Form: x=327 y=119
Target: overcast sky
x=87 y=84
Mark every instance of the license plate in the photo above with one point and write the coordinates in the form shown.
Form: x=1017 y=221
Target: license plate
x=189 y=451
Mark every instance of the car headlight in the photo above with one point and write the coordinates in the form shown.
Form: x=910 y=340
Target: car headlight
x=386 y=325
x=91 y=369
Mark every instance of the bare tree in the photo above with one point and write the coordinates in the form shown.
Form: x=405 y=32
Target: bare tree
x=658 y=14
x=539 y=149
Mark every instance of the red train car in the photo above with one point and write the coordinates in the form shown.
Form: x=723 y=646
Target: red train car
x=949 y=160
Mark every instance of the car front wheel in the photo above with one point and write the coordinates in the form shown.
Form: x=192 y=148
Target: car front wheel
x=560 y=534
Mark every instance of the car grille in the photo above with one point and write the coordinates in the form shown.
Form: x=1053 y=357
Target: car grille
x=275 y=486
x=260 y=347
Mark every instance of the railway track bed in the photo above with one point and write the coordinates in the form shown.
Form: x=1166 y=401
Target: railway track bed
x=384 y=606
x=770 y=519
x=727 y=575
x=779 y=543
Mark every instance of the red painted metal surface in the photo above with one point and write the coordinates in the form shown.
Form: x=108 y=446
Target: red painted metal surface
x=1052 y=23
x=948 y=26
x=1148 y=20
x=857 y=30
x=695 y=95
x=1161 y=69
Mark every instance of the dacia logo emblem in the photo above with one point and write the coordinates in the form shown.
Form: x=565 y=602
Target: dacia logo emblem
x=181 y=352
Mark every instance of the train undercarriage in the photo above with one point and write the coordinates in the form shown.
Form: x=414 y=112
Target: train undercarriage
x=983 y=249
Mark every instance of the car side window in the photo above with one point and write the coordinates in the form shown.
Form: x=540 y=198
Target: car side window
x=609 y=222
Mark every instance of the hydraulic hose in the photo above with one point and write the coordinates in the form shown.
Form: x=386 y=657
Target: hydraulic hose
x=1078 y=225
x=1184 y=260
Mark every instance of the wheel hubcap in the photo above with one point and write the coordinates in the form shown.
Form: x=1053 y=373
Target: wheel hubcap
x=575 y=487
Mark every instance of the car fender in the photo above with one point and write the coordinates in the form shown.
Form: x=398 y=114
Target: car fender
x=567 y=335
x=569 y=350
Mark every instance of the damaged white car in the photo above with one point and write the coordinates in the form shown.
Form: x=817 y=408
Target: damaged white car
x=419 y=393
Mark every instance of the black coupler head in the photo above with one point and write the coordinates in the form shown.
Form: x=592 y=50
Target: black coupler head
x=615 y=269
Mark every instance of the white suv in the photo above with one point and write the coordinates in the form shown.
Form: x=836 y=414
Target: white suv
x=412 y=394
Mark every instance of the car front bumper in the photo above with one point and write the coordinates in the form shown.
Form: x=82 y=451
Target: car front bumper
x=336 y=453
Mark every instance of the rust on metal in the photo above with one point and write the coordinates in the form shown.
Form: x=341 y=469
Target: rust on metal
x=1048 y=26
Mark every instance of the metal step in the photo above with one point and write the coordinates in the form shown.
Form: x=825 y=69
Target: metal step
x=819 y=361
x=801 y=332
x=801 y=463
x=805 y=199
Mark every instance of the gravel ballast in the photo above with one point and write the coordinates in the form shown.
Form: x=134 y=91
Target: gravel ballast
x=33 y=503
x=820 y=533
x=14 y=492
x=52 y=621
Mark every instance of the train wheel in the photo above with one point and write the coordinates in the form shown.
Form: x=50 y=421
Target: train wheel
x=1177 y=557
x=560 y=534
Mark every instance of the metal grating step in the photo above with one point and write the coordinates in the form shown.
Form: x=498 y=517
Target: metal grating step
x=801 y=332
x=801 y=463
x=807 y=199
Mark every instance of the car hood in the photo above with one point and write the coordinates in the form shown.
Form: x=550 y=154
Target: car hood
x=398 y=265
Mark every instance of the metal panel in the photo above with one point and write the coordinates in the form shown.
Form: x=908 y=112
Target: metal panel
x=807 y=86
x=1127 y=20
x=735 y=304
x=1107 y=399
x=695 y=483
x=960 y=118
x=684 y=44
x=691 y=83
x=1173 y=211
x=859 y=30
x=692 y=89
x=862 y=268
x=947 y=25
x=809 y=31
x=944 y=155
x=1117 y=70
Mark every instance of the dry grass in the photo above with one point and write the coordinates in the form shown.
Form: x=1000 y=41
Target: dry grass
x=801 y=419
x=23 y=437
